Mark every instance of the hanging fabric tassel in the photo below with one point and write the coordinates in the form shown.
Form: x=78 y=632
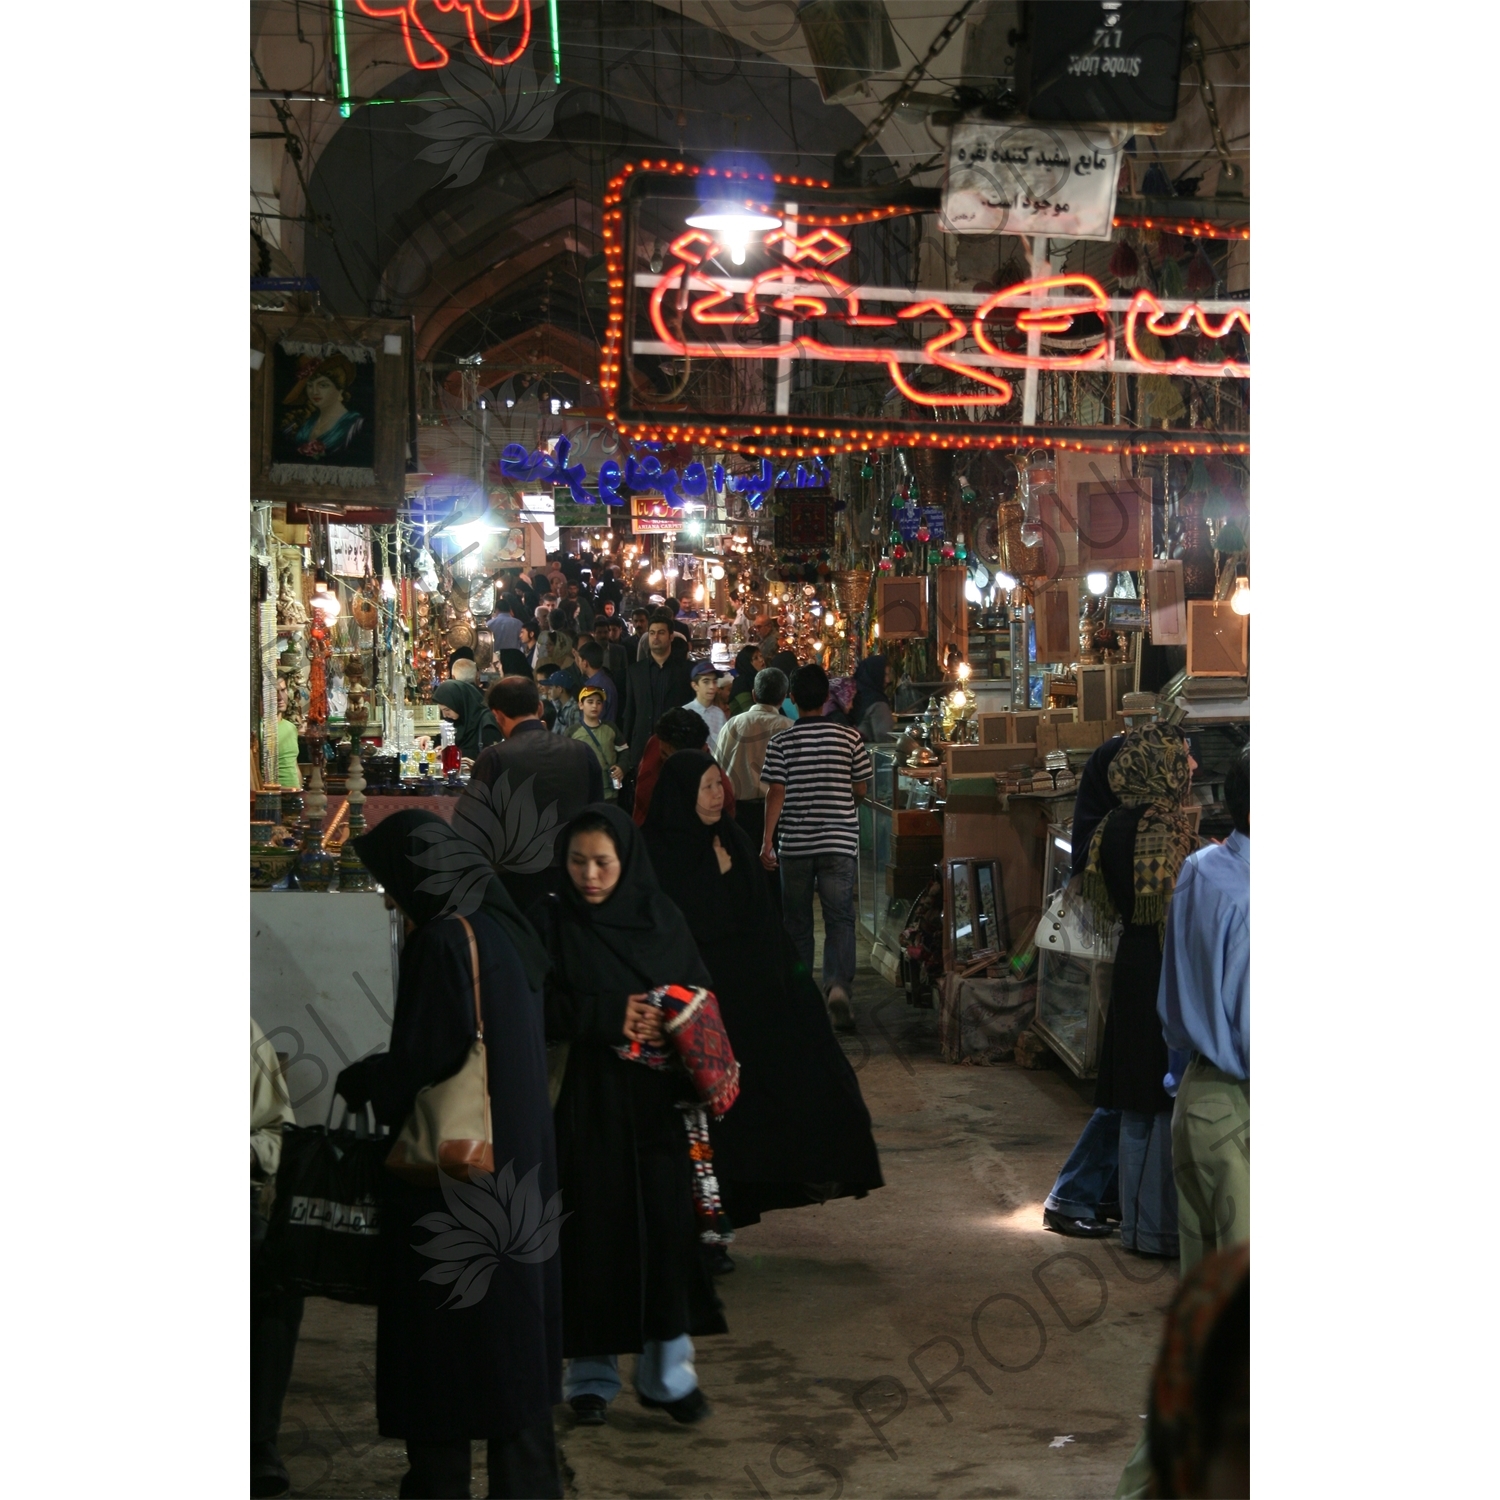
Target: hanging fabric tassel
x=1124 y=264
x=1200 y=274
x=1173 y=282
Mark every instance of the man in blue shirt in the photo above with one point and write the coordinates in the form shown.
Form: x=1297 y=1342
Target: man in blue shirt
x=1204 y=1005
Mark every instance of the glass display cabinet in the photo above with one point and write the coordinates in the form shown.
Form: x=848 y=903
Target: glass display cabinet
x=1074 y=965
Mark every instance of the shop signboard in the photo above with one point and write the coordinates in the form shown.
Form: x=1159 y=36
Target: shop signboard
x=831 y=286
x=1027 y=178
x=653 y=517
x=909 y=518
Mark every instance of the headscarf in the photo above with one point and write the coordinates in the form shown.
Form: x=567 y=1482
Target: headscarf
x=744 y=673
x=431 y=871
x=786 y=661
x=869 y=688
x=682 y=853
x=1202 y=1372
x=1150 y=775
x=636 y=927
x=473 y=714
x=841 y=691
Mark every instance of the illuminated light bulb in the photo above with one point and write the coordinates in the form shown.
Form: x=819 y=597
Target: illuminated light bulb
x=387 y=588
x=971 y=592
x=817 y=646
x=698 y=593
x=654 y=576
x=716 y=572
x=958 y=698
x=734 y=226
x=1239 y=601
x=963 y=671
x=1098 y=582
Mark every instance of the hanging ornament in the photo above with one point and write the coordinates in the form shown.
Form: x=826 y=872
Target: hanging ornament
x=1200 y=273
x=933 y=557
x=866 y=472
x=961 y=552
x=947 y=550
x=895 y=537
x=1173 y=282
x=1124 y=264
x=884 y=565
x=898 y=551
x=923 y=534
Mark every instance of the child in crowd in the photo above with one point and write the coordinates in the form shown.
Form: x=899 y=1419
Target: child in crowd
x=600 y=738
x=705 y=680
x=564 y=695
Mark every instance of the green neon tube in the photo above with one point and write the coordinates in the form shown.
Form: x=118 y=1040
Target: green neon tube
x=556 y=42
x=341 y=52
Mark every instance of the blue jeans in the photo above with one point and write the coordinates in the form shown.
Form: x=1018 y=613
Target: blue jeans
x=1090 y=1178
x=663 y=1372
x=835 y=876
x=1148 y=1191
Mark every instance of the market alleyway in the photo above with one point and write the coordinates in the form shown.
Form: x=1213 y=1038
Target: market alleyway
x=932 y=1340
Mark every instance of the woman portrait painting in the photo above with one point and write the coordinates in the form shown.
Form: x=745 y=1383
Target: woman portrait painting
x=324 y=406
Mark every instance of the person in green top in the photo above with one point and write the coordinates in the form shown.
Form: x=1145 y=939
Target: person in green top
x=600 y=738
x=286 y=742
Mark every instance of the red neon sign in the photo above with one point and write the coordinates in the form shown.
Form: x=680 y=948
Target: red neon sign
x=1029 y=301
x=439 y=55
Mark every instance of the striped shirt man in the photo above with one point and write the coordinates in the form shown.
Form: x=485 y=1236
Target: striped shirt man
x=818 y=762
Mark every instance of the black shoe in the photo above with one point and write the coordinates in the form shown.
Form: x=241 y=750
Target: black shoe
x=1111 y=1213
x=589 y=1410
x=1083 y=1229
x=720 y=1262
x=692 y=1407
x=268 y=1475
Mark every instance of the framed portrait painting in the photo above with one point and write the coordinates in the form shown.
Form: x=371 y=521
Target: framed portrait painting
x=328 y=410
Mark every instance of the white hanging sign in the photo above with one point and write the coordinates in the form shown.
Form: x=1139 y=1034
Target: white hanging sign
x=349 y=550
x=1030 y=178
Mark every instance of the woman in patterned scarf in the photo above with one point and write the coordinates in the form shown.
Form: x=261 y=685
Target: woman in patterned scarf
x=1133 y=862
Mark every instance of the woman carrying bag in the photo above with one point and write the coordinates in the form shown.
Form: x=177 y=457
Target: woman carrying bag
x=634 y=1281
x=1133 y=860
x=800 y=1131
x=469 y=1331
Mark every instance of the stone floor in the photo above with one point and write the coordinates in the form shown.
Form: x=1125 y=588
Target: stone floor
x=932 y=1340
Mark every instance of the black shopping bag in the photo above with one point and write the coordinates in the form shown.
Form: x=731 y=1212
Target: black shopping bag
x=324 y=1235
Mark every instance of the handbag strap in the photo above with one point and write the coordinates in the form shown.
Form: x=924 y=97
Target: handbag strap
x=474 y=965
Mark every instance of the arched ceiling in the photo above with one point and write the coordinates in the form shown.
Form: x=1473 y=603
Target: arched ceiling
x=476 y=210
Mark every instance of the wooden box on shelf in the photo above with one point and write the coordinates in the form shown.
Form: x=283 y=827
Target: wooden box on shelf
x=1009 y=728
x=901 y=607
x=981 y=760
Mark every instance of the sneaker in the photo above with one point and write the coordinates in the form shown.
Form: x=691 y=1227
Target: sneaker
x=840 y=1012
x=692 y=1407
x=589 y=1410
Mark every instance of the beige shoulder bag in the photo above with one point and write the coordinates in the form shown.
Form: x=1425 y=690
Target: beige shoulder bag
x=449 y=1126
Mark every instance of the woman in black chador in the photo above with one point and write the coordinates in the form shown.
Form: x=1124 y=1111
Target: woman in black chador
x=469 y=1348
x=799 y=1132
x=634 y=1281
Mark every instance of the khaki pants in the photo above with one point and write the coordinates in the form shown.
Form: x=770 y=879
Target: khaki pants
x=1211 y=1161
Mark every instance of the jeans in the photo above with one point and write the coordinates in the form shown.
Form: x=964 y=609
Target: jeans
x=835 y=876
x=1090 y=1178
x=663 y=1372
x=1148 y=1192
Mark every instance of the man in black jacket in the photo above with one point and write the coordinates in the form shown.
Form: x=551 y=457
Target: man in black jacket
x=523 y=790
x=655 y=683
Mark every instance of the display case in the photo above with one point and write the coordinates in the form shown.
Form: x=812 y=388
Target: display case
x=1074 y=968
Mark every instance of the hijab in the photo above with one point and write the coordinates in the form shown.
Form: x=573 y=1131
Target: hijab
x=869 y=688
x=473 y=714
x=634 y=937
x=1150 y=775
x=681 y=845
x=744 y=673
x=1202 y=1372
x=431 y=871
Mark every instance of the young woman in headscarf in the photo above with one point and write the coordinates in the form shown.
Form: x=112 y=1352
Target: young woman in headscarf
x=872 y=714
x=799 y=1132
x=746 y=664
x=474 y=725
x=486 y=1365
x=1132 y=867
x=634 y=1281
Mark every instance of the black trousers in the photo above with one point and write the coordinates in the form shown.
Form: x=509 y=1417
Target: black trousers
x=751 y=816
x=523 y=1466
x=275 y=1318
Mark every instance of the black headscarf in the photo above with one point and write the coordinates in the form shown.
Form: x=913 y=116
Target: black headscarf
x=473 y=714
x=869 y=685
x=430 y=871
x=786 y=661
x=744 y=673
x=682 y=852
x=636 y=926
